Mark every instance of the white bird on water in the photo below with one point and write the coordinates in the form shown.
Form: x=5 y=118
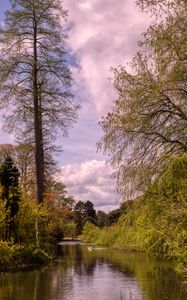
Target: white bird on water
x=90 y=249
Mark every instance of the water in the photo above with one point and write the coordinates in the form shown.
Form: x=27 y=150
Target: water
x=100 y=274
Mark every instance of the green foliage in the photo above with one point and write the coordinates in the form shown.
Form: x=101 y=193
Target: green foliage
x=156 y=222
x=9 y=181
x=147 y=125
x=56 y=232
x=84 y=212
x=35 y=255
x=2 y=219
x=90 y=232
x=89 y=210
x=15 y=256
x=7 y=251
x=112 y=217
x=101 y=218
x=28 y=213
x=69 y=230
x=53 y=220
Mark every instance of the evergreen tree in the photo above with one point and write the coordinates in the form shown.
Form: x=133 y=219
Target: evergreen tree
x=79 y=216
x=89 y=210
x=9 y=180
x=101 y=218
x=83 y=212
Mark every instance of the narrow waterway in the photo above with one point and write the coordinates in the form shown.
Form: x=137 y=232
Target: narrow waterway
x=100 y=274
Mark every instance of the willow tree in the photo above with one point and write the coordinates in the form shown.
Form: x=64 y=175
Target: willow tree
x=35 y=79
x=148 y=123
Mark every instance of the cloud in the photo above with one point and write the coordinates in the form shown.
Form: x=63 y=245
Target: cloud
x=91 y=180
x=103 y=34
x=5 y=138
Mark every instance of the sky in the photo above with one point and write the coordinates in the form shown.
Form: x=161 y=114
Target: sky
x=102 y=34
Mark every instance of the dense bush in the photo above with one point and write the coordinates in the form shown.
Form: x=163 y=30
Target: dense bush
x=38 y=228
x=14 y=256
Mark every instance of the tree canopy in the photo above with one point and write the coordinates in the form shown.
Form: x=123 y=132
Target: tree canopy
x=148 y=123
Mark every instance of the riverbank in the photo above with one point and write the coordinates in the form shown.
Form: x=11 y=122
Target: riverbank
x=155 y=222
x=15 y=257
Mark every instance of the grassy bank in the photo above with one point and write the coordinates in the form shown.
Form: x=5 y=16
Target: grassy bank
x=14 y=257
x=155 y=222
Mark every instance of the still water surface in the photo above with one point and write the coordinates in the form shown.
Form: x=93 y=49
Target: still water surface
x=102 y=274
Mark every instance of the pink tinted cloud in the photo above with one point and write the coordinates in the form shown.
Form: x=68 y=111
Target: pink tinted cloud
x=91 y=180
x=104 y=34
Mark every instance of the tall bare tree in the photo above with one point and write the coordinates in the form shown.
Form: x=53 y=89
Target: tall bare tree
x=35 y=79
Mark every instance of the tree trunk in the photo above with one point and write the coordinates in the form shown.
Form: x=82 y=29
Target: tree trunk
x=37 y=126
x=37 y=231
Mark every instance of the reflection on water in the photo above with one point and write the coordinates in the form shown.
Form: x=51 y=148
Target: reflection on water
x=102 y=274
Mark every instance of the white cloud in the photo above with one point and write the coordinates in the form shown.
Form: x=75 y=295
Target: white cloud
x=91 y=180
x=103 y=34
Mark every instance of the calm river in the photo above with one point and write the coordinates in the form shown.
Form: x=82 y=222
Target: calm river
x=100 y=274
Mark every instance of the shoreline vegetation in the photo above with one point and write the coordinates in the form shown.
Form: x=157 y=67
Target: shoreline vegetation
x=155 y=222
x=15 y=257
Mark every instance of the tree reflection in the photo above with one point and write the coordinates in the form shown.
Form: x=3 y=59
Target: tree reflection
x=78 y=274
